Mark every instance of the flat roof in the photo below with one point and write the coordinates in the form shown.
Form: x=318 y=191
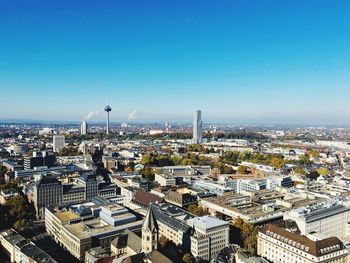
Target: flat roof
x=66 y=215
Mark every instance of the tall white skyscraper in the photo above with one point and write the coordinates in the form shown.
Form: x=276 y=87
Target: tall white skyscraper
x=197 y=127
x=83 y=128
x=58 y=142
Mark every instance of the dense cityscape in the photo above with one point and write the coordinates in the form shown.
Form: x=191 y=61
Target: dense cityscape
x=186 y=131
x=173 y=193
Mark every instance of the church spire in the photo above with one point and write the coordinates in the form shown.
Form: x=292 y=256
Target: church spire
x=150 y=232
x=150 y=222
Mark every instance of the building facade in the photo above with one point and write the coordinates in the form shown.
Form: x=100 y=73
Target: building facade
x=283 y=246
x=210 y=236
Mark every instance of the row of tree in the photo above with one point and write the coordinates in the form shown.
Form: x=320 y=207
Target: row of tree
x=17 y=212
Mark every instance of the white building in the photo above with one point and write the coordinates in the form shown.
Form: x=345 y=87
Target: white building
x=326 y=219
x=197 y=127
x=58 y=142
x=280 y=245
x=165 y=180
x=210 y=236
x=83 y=128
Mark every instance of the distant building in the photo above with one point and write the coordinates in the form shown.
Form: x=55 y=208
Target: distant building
x=83 y=128
x=197 y=127
x=58 y=142
x=18 y=148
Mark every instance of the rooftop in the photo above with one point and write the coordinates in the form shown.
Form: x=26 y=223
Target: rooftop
x=66 y=216
x=205 y=223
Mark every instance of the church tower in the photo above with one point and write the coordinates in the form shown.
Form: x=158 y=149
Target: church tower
x=150 y=232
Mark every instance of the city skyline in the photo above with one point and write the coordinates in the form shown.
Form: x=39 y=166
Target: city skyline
x=238 y=62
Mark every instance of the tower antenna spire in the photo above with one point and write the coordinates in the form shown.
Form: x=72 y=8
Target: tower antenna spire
x=108 y=109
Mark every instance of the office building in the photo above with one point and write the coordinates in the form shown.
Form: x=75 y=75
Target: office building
x=90 y=183
x=286 y=245
x=48 y=191
x=39 y=159
x=58 y=142
x=165 y=179
x=89 y=225
x=83 y=128
x=210 y=236
x=197 y=127
x=326 y=219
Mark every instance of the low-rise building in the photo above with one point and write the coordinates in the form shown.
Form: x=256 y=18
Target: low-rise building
x=95 y=226
x=6 y=194
x=21 y=250
x=165 y=179
x=179 y=199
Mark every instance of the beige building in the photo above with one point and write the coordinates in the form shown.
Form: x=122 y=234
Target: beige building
x=22 y=250
x=283 y=246
x=79 y=233
x=210 y=236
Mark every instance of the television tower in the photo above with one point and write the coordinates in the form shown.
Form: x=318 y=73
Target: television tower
x=108 y=109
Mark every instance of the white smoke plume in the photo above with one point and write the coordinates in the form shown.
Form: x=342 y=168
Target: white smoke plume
x=133 y=115
x=91 y=115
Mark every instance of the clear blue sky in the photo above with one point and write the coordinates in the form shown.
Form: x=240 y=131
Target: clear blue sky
x=238 y=61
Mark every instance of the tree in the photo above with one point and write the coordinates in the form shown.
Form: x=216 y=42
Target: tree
x=313 y=153
x=176 y=160
x=242 y=169
x=128 y=169
x=165 y=160
x=249 y=233
x=244 y=156
x=188 y=258
x=238 y=222
x=299 y=170
x=148 y=173
x=197 y=210
x=313 y=175
x=69 y=151
x=3 y=171
x=304 y=160
x=22 y=225
x=163 y=241
x=323 y=171
x=186 y=161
